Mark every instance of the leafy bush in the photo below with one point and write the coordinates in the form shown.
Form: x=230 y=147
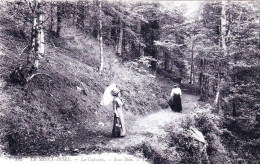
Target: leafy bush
x=240 y=111
x=190 y=150
x=194 y=151
x=35 y=133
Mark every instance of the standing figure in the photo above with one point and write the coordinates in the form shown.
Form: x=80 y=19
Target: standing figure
x=175 y=100
x=119 y=122
x=112 y=94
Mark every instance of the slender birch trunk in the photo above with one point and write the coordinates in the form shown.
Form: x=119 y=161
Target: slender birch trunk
x=33 y=32
x=39 y=48
x=33 y=35
x=23 y=73
x=120 y=40
x=101 y=38
x=223 y=46
x=223 y=28
x=192 y=62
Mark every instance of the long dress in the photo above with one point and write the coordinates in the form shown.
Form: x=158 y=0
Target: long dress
x=175 y=100
x=171 y=103
x=119 y=122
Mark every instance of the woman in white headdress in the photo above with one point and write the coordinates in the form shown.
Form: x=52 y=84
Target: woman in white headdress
x=175 y=101
x=112 y=94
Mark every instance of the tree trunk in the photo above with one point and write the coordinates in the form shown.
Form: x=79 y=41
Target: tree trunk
x=224 y=49
x=138 y=30
x=34 y=31
x=100 y=38
x=59 y=14
x=166 y=60
x=218 y=90
x=23 y=73
x=223 y=28
x=204 y=80
x=192 y=64
x=204 y=86
x=124 y=43
x=80 y=15
x=120 y=39
x=51 y=23
x=34 y=28
x=114 y=30
x=40 y=38
x=74 y=14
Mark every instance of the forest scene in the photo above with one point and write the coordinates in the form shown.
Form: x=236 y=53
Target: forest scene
x=120 y=81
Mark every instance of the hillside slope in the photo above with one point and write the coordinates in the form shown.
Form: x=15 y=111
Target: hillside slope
x=61 y=106
x=59 y=112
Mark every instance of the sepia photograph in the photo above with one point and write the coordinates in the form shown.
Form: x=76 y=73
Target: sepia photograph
x=130 y=81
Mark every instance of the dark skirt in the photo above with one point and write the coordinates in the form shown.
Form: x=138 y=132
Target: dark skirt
x=119 y=125
x=175 y=103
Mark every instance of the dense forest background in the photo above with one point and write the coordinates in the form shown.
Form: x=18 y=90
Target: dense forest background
x=57 y=57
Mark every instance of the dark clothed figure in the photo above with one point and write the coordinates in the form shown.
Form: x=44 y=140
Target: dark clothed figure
x=175 y=100
x=119 y=123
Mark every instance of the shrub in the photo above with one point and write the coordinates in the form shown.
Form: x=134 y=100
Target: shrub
x=193 y=151
x=190 y=150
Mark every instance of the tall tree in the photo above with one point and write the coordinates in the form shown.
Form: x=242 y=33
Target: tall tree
x=223 y=30
x=59 y=17
x=100 y=38
x=37 y=33
x=81 y=14
x=120 y=39
x=34 y=29
x=210 y=52
x=171 y=43
x=121 y=32
x=39 y=46
x=52 y=16
x=193 y=39
x=23 y=73
x=192 y=76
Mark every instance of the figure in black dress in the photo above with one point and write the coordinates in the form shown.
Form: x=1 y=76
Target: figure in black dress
x=175 y=100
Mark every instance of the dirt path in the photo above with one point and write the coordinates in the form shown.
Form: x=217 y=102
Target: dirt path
x=153 y=125
x=140 y=129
